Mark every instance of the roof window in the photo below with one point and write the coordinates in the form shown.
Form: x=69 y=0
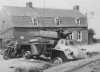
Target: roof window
x=57 y=21
x=35 y=21
x=77 y=20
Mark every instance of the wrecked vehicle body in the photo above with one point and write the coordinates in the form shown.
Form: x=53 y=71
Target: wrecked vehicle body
x=35 y=49
x=58 y=52
x=10 y=53
x=49 y=46
x=64 y=52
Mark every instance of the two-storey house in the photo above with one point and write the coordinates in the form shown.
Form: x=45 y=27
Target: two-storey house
x=24 y=23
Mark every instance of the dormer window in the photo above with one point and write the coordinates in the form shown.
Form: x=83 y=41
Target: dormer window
x=35 y=21
x=57 y=21
x=77 y=20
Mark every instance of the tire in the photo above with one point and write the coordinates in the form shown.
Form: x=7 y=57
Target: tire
x=89 y=54
x=57 y=60
x=5 y=55
x=26 y=56
x=13 y=55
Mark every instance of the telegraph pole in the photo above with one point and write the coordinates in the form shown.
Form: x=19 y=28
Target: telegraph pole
x=44 y=3
x=44 y=10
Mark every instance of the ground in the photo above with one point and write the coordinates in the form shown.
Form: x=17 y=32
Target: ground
x=92 y=67
x=84 y=65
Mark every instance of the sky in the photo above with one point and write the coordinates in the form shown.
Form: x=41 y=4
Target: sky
x=91 y=7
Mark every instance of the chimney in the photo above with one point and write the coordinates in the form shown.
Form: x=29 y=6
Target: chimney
x=29 y=5
x=76 y=7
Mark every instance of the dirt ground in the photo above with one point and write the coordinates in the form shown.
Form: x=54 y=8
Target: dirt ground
x=12 y=64
x=84 y=65
x=91 y=67
x=74 y=66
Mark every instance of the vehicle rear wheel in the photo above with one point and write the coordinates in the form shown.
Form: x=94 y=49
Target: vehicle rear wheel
x=57 y=60
x=5 y=55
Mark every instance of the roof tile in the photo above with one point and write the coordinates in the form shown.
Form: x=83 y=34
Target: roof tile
x=43 y=12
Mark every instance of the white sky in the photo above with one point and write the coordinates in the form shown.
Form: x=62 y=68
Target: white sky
x=88 y=6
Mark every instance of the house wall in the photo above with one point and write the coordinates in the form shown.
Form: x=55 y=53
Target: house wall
x=5 y=20
x=6 y=31
x=74 y=31
x=24 y=34
x=0 y=43
x=5 y=36
x=84 y=36
x=29 y=33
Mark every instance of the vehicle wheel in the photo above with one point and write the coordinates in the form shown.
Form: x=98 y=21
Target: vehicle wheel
x=88 y=54
x=13 y=55
x=5 y=56
x=26 y=56
x=57 y=60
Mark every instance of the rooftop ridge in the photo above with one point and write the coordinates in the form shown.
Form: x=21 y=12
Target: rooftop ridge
x=40 y=8
x=45 y=11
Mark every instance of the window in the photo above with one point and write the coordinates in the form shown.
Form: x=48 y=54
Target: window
x=71 y=36
x=35 y=21
x=57 y=21
x=79 y=36
x=78 y=21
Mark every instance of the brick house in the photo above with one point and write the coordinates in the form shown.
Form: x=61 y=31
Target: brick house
x=25 y=22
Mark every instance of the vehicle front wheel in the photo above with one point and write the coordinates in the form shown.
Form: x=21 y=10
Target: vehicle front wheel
x=57 y=60
x=27 y=55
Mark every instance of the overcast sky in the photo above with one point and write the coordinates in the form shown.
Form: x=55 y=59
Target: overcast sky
x=92 y=7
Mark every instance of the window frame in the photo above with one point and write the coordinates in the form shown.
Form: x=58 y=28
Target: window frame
x=71 y=37
x=77 y=21
x=79 y=35
x=57 y=21
x=33 y=21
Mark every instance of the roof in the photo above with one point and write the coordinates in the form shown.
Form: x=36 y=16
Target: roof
x=42 y=12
